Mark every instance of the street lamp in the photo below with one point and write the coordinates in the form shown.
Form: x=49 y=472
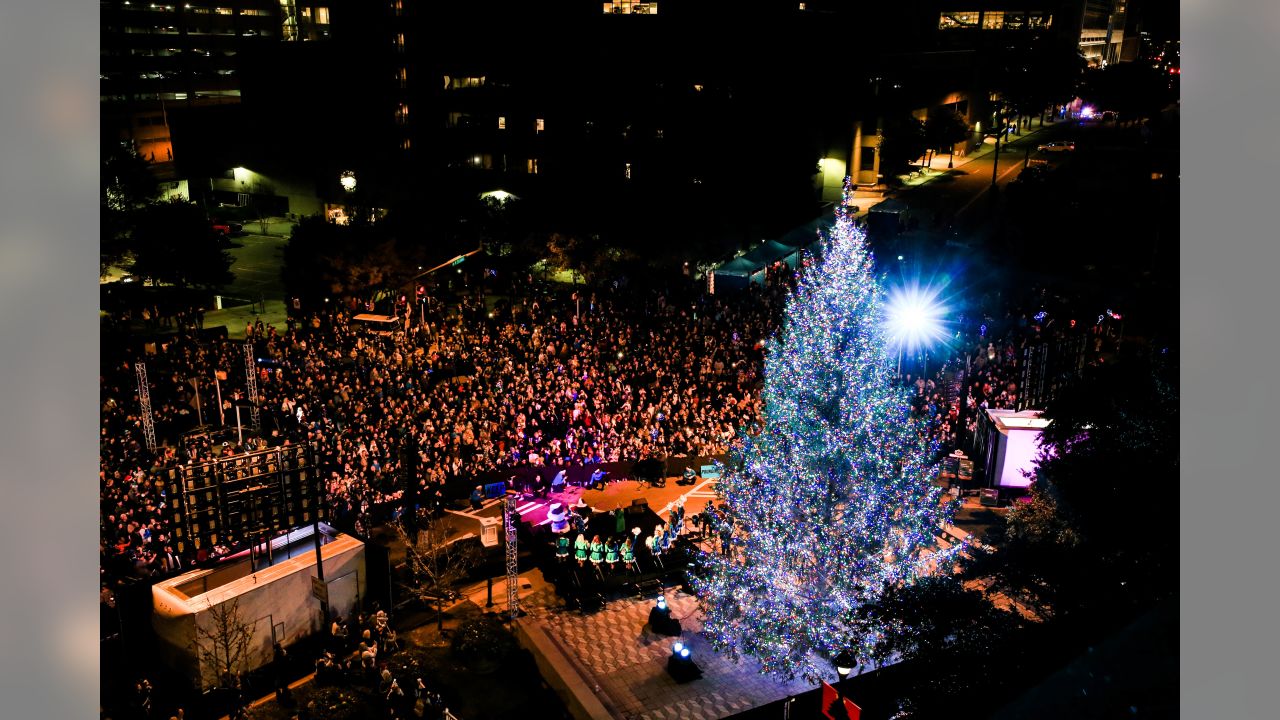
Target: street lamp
x=844 y=665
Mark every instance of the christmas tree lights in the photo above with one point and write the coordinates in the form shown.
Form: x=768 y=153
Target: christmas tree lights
x=833 y=501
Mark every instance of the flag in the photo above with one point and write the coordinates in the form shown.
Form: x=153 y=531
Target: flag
x=853 y=711
x=829 y=698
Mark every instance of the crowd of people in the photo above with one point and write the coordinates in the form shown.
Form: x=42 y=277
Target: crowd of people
x=539 y=379
x=981 y=365
x=543 y=378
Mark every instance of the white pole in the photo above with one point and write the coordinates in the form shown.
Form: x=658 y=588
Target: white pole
x=239 y=428
x=222 y=419
x=195 y=382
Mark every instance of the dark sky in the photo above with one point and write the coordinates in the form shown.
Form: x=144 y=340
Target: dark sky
x=1159 y=18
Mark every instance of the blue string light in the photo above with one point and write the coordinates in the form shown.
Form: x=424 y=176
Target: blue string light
x=833 y=498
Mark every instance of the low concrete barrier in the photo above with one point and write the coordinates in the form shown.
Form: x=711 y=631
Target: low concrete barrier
x=558 y=670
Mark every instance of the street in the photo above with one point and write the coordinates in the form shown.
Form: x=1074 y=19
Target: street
x=961 y=196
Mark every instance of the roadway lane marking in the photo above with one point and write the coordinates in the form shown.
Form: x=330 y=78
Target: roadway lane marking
x=985 y=189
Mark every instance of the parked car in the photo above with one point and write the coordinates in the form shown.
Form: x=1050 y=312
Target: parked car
x=1060 y=146
x=228 y=229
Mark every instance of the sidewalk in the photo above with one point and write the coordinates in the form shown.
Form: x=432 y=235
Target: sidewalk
x=937 y=166
x=235 y=318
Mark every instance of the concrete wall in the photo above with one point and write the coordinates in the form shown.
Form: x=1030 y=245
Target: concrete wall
x=276 y=601
x=300 y=194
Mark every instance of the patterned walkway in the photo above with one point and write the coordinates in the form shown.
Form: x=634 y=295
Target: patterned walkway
x=616 y=654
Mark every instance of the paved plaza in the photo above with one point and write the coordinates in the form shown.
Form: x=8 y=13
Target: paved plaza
x=625 y=664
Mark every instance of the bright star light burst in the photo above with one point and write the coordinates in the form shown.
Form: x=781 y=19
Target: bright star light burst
x=914 y=318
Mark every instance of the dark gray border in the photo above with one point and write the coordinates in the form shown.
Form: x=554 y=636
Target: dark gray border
x=1230 y=257
x=48 y=357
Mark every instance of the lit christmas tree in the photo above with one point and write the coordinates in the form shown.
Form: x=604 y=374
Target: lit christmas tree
x=834 y=500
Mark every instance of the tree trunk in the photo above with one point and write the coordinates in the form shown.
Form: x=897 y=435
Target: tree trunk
x=440 y=615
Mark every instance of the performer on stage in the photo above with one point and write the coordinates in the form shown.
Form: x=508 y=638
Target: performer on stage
x=597 y=551
x=562 y=548
x=580 y=550
x=611 y=553
x=628 y=553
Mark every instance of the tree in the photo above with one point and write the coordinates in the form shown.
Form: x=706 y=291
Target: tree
x=323 y=260
x=943 y=129
x=172 y=242
x=436 y=564
x=904 y=141
x=833 y=499
x=223 y=641
x=126 y=185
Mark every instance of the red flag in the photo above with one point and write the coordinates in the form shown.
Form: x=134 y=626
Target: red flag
x=829 y=698
x=853 y=711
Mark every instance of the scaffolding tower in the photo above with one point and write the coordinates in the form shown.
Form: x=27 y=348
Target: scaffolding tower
x=251 y=387
x=144 y=399
x=513 y=565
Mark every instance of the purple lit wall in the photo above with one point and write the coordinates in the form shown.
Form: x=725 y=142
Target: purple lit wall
x=1018 y=451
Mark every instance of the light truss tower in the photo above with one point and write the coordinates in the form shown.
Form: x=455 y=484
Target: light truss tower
x=144 y=399
x=251 y=387
x=513 y=566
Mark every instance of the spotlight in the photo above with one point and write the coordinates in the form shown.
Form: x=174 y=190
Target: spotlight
x=660 y=620
x=680 y=665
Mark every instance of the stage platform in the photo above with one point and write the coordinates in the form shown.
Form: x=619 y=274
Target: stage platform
x=619 y=493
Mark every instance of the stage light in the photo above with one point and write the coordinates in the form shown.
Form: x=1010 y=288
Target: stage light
x=677 y=648
x=684 y=653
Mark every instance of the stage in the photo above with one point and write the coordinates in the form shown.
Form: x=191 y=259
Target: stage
x=619 y=493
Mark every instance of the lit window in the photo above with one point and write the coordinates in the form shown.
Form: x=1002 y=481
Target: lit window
x=222 y=11
x=398 y=7
x=1015 y=20
x=802 y=7
x=402 y=75
x=533 y=166
x=462 y=83
x=630 y=7
x=628 y=171
x=402 y=114
x=993 y=20
x=400 y=48
x=958 y=19
x=541 y=125
x=1039 y=20
x=404 y=143
x=322 y=16
x=502 y=122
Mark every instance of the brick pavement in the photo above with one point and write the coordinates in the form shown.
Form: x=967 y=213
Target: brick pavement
x=615 y=651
